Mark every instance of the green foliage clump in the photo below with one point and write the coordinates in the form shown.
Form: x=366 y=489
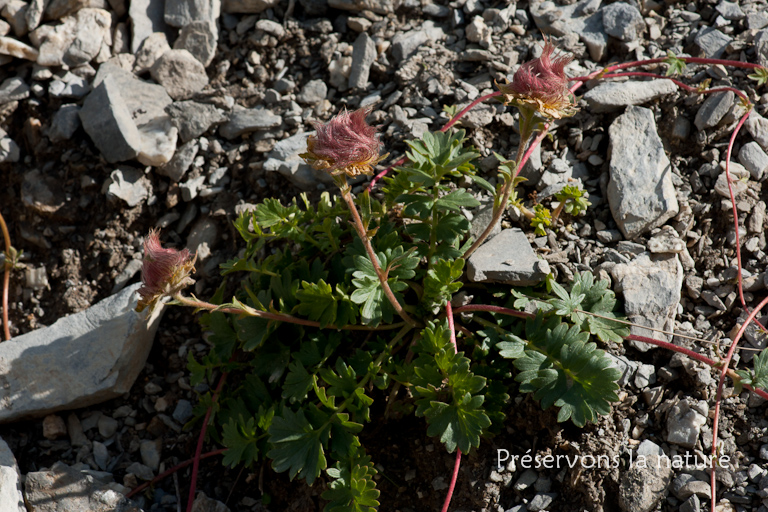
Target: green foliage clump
x=299 y=393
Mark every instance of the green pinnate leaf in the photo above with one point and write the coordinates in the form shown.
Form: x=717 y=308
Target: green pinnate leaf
x=441 y=282
x=297 y=383
x=676 y=65
x=240 y=438
x=352 y=489
x=460 y=424
x=758 y=376
x=760 y=76
x=563 y=370
x=297 y=446
x=458 y=199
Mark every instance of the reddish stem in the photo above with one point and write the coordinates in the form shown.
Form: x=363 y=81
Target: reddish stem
x=6 y=277
x=171 y=471
x=457 y=463
x=201 y=441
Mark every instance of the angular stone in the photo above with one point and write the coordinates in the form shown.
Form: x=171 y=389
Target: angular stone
x=284 y=158
x=194 y=119
x=583 y=18
x=248 y=6
x=79 y=39
x=128 y=184
x=640 y=191
x=712 y=42
x=144 y=100
x=611 y=96
x=405 y=44
x=507 y=258
x=363 y=56
x=666 y=242
x=713 y=109
x=153 y=47
x=684 y=422
x=623 y=21
x=249 y=120
x=158 y=141
x=180 y=73
x=651 y=285
x=9 y=150
x=34 y=13
x=757 y=126
x=730 y=10
x=198 y=39
x=180 y=13
x=14 y=48
x=205 y=504
x=108 y=122
x=13 y=89
x=377 y=6
x=87 y=358
x=644 y=484
x=179 y=164
x=313 y=92
x=58 y=9
x=147 y=17
x=754 y=159
x=11 y=497
x=63 y=488
x=15 y=12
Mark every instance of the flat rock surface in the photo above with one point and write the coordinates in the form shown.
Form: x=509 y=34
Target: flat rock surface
x=507 y=258
x=85 y=359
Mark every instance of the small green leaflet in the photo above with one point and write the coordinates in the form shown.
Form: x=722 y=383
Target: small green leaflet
x=297 y=384
x=297 y=446
x=352 y=491
x=460 y=424
x=442 y=281
x=676 y=65
x=319 y=303
x=758 y=376
x=240 y=438
x=760 y=76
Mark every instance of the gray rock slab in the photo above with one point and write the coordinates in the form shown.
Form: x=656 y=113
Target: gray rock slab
x=180 y=73
x=247 y=6
x=640 y=191
x=583 y=18
x=684 y=422
x=313 y=92
x=147 y=16
x=761 y=47
x=109 y=123
x=65 y=123
x=377 y=6
x=129 y=185
x=481 y=217
x=249 y=120
x=194 y=119
x=199 y=40
x=284 y=158
x=11 y=497
x=13 y=89
x=757 y=126
x=12 y=47
x=152 y=48
x=363 y=56
x=754 y=159
x=182 y=159
x=507 y=258
x=63 y=488
x=644 y=484
x=611 y=96
x=405 y=44
x=651 y=285
x=80 y=360
x=179 y=13
x=203 y=503
x=713 y=109
x=623 y=21
x=712 y=42
x=730 y=10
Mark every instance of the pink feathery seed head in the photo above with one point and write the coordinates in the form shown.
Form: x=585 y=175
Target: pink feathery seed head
x=163 y=272
x=345 y=144
x=542 y=83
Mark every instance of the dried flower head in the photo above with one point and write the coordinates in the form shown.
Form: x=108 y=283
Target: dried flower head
x=344 y=145
x=541 y=84
x=164 y=272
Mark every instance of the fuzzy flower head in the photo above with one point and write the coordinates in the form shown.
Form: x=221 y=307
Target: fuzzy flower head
x=344 y=145
x=164 y=272
x=541 y=85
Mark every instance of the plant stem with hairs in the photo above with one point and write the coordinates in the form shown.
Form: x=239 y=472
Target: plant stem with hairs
x=527 y=117
x=10 y=257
